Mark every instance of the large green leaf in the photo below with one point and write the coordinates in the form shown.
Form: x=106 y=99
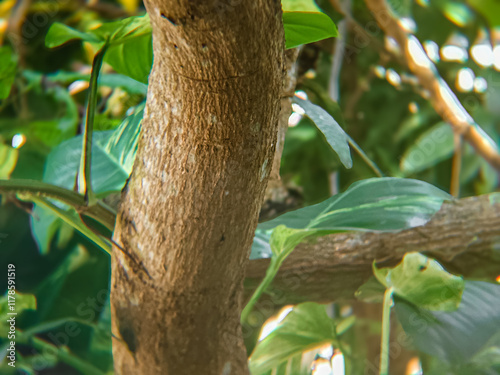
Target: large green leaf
x=455 y=337
x=113 y=153
x=8 y=65
x=133 y=58
x=376 y=204
x=433 y=146
x=307 y=27
x=332 y=131
x=423 y=282
x=305 y=328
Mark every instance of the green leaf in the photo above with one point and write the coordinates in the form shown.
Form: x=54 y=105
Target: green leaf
x=376 y=204
x=110 y=80
x=332 y=131
x=100 y=344
x=112 y=159
x=307 y=27
x=44 y=226
x=305 y=328
x=50 y=288
x=260 y=246
x=371 y=291
x=22 y=302
x=455 y=337
x=8 y=159
x=114 y=33
x=433 y=146
x=60 y=34
x=122 y=143
x=8 y=66
x=133 y=58
x=299 y=6
x=423 y=282
x=130 y=44
x=123 y=31
x=293 y=366
x=283 y=240
x=489 y=9
x=70 y=217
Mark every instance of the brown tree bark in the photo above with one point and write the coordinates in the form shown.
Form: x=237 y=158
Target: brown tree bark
x=464 y=236
x=190 y=209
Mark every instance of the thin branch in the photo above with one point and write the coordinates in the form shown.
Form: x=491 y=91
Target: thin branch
x=100 y=211
x=456 y=166
x=443 y=99
x=462 y=236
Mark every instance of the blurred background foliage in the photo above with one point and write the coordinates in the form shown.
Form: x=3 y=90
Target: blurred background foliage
x=368 y=90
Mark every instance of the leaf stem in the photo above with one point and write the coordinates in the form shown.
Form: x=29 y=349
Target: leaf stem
x=65 y=356
x=271 y=272
x=386 y=329
x=84 y=175
x=365 y=157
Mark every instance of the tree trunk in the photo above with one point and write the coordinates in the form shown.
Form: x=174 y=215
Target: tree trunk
x=189 y=211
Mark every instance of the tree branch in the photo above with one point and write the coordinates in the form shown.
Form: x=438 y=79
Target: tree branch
x=463 y=236
x=443 y=99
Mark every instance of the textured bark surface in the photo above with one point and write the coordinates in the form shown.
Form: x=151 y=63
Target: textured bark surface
x=275 y=189
x=464 y=236
x=189 y=212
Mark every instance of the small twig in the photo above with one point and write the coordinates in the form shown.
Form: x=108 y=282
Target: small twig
x=338 y=56
x=443 y=99
x=456 y=166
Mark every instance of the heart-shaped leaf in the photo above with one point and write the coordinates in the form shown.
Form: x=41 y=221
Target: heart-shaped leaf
x=423 y=282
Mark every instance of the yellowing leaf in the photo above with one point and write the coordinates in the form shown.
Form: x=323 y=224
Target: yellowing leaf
x=8 y=160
